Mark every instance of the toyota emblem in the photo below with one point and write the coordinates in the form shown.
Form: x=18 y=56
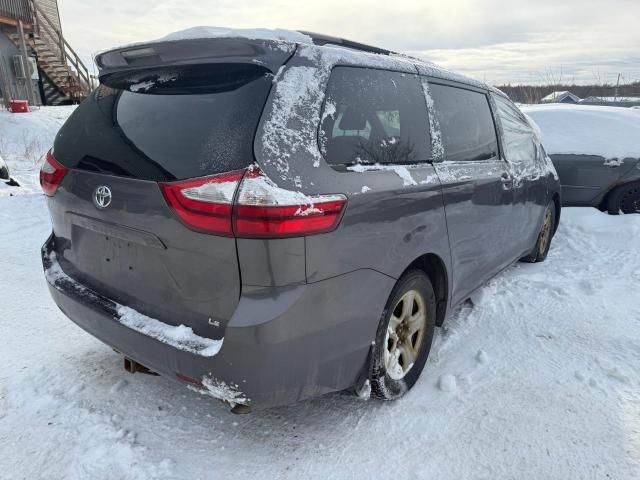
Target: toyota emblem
x=102 y=196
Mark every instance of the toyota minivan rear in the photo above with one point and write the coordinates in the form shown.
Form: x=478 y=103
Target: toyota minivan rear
x=153 y=189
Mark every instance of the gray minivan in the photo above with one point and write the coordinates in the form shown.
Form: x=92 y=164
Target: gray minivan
x=271 y=220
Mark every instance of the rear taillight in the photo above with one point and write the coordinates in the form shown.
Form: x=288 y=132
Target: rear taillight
x=264 y=210
x=205 y=204
x=52 y=173
x=261 y=209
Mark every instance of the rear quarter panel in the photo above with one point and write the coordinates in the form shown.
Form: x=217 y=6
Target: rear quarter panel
x=388 y=221
x=384 y=229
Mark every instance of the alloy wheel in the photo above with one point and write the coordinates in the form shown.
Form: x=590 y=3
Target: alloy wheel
x=630 y=202
x=405 y=334
x=545 y=234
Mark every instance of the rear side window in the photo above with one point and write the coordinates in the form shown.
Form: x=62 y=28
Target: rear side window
x=374 y=116
x=466 y=123
x=168 y=124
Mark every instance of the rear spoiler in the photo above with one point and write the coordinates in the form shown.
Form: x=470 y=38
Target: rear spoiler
x=267 y=53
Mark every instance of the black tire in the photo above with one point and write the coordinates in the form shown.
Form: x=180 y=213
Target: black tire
x=383 y=385
x=625 y=199
x=547 y=230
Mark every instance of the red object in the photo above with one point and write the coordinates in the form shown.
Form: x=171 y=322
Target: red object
x=188 y=379
x=51 y=174
x=246 y=204
x=19 y=106
x=205 y=204
x=279 y=222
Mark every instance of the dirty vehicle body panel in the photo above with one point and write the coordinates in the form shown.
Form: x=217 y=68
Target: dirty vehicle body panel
x=586 y=179
x=594 y=149
x=297 y=315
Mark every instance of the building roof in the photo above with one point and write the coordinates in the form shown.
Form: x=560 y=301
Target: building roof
x=558 y=97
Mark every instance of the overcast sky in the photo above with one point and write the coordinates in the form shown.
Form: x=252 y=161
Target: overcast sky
x=516 y=41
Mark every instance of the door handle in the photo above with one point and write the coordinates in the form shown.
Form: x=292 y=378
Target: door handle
x=507 y=181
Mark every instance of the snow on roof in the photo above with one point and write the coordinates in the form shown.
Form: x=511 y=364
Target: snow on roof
x=611 y=99
x=276 y=34
x=559 y=96
x=611 y=132
x=292 y=36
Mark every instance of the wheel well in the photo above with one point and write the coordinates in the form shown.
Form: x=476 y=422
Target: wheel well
x=605 y=198
x=602 y=204
x=432 y=265
x=556 y=201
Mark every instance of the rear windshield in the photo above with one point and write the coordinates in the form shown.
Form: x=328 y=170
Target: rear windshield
x=168 y=124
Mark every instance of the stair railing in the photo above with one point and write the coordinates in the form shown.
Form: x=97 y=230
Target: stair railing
x=16 y=10
x=78 y=79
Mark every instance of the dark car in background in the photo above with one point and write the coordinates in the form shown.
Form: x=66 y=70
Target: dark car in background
x=596 y=152
x=271 y=220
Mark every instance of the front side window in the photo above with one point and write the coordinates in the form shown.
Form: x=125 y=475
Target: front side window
x=466 y=123
x=519 y=138
x=374 y=116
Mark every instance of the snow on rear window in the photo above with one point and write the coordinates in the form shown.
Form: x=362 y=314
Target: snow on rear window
x=288 y=142
x=291 y=121
x=295 y=113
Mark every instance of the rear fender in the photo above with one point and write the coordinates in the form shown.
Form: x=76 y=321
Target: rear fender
x=633 y=175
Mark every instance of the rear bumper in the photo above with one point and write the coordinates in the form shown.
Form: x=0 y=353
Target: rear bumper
x=282 y=345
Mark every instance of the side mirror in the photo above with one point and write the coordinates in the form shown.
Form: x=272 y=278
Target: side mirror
x=4 y=170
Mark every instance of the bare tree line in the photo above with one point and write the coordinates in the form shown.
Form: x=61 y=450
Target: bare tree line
x=556 y=82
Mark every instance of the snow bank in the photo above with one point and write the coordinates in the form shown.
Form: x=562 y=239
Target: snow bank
x=611 y=132
x=24 y=140
x=36 y=129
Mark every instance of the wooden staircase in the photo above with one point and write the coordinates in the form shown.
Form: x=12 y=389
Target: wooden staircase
x=66 y=79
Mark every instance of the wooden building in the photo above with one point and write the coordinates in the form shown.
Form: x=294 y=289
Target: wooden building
x=36 y=61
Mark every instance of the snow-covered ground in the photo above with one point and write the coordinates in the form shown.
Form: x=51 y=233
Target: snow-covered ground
x=539 y=378
x=24 y=140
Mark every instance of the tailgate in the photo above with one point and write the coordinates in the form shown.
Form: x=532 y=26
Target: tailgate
x=137 y=253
